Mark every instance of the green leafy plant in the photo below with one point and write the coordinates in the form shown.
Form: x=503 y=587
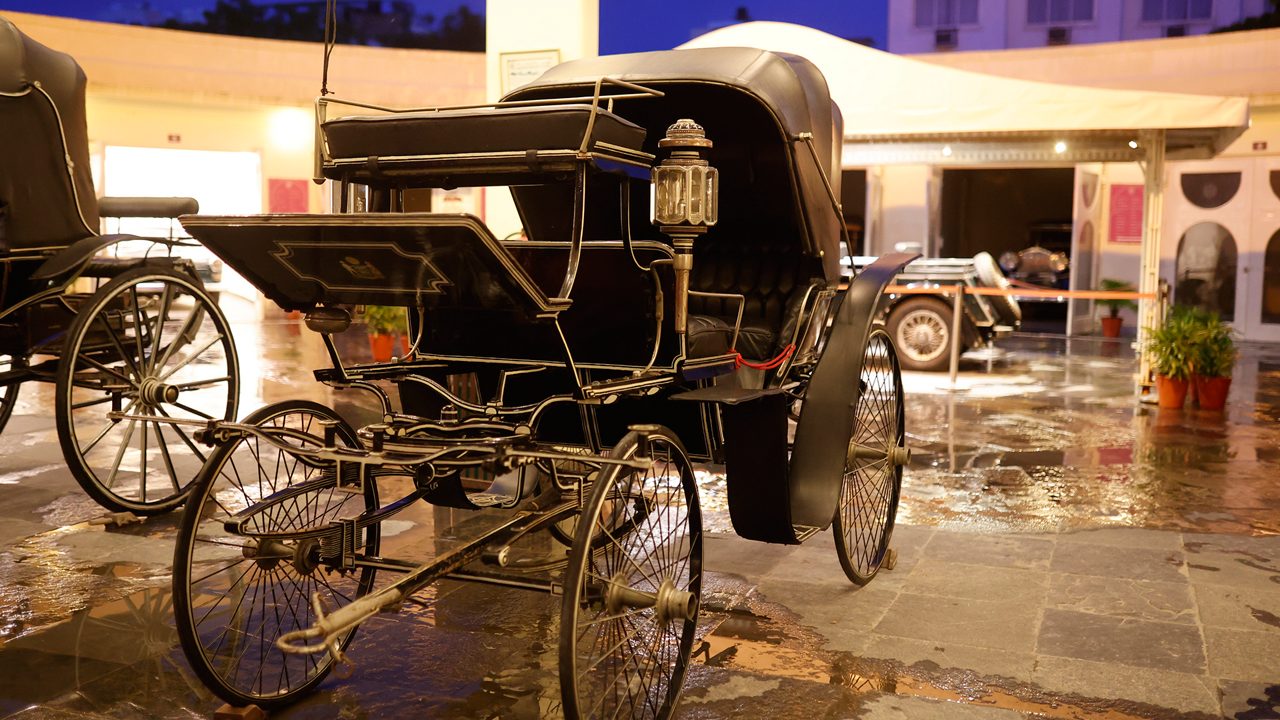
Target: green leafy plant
x=1213 y=346
x=1172 y=344
x=1115 y=306
x=385 y=320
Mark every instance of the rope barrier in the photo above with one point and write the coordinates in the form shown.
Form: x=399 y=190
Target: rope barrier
x=1020 y=292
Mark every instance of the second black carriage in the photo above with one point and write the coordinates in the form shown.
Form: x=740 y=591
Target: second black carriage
x=118 y=324
x=608 y=353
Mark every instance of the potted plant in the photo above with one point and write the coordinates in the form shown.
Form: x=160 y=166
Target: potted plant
x=1171 y=348
x=382 y=323
x=1112 y=323
x=1213 y=358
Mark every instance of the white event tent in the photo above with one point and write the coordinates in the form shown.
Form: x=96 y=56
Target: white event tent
x=900 y=110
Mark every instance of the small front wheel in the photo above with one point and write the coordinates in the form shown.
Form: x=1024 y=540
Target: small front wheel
x=873 y=464
x=633 y=584
x=236 y=591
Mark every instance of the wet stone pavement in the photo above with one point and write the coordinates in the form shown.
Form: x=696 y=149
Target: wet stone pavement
x=1063 y=552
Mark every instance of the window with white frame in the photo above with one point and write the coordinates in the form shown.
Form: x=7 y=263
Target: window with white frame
x=1059 y=12
x=946 y=13
x=1176 y=11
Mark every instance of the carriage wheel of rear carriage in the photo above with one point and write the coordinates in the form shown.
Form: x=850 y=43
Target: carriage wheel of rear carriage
x=921 y=328
x=873 y=464
x=631 y=603
x=8 y=393
x=236 y=593
x=150 y=344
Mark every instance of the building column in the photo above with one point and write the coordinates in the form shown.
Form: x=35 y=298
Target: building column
x=522 y=39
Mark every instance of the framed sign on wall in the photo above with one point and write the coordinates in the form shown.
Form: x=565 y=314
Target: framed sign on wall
x=521 y=68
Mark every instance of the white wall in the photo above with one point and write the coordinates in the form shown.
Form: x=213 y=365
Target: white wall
x=571 y=27
x=1003 y=24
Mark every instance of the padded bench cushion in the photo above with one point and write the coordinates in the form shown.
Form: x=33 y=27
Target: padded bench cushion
x=483 y=130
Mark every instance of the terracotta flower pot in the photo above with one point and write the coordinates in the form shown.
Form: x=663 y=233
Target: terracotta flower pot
x=1212 y=392
x=381 y=346
x=1111 y=326
x=1172 y=392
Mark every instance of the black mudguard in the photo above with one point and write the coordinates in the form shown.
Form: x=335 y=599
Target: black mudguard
x=771 y=499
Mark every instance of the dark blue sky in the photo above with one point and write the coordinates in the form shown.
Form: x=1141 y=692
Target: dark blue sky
x=625 y=25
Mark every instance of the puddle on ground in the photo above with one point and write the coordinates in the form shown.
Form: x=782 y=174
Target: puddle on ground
x=765 y=638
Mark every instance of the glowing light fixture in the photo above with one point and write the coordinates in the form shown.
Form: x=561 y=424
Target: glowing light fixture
x=1060 y=147
x=946 y=151
x=1133 y=144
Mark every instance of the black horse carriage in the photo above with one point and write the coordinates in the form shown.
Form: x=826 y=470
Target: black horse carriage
x=605 y=353
x=121 y=325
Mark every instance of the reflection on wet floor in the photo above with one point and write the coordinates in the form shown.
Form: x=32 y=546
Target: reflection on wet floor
x=1046 y=443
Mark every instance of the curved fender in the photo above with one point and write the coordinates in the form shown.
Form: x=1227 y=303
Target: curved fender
x=67 y=263
x=769 y=500
x=822 y=435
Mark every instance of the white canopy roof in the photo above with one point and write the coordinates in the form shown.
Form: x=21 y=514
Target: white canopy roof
x=897 y=109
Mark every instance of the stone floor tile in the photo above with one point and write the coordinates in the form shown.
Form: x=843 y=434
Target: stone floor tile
x=844 y=616
x=1238 y=608
x=981 y=623
x=898 y=707
x=1125 y=537
x=1121 y=597
x=1263 y=548
x=1182 y=692
x=1249 y=699
x=983 y=661
x=1243 y=655
x=1160 y=645
x=1013 y=551
x=1112 y=561
x=977 y=582
x=1244 y=569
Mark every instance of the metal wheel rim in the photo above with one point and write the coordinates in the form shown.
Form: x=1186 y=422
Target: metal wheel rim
x=627 y=663
x=922 y=335
x=8 y=393
x=143 y=466
x=870 y=487
x=230 y=606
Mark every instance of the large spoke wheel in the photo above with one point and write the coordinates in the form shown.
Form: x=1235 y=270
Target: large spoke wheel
x=873 y=464
x=147 y=352
x=631 y=600
x=8 y=393
x=234 y=593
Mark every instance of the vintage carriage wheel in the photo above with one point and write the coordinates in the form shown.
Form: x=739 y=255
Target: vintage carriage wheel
x=631 y=604
x=873 y=464
x=151 y=342
x=234 y=595
x=8 y=393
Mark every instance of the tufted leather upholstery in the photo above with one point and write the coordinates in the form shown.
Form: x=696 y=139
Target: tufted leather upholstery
x=772 y=276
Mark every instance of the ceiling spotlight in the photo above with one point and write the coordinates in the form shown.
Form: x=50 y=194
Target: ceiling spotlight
x=1060 y=147
x=1133 y=144
x=946 y=151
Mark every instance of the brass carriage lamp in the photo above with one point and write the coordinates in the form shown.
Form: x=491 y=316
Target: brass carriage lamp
x=686 y=201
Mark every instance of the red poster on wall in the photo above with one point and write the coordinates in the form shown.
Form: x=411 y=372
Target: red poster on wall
x=287 y=196
x=1126 y=214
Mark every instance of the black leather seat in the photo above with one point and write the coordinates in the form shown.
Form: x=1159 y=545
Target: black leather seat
x=482 y=130
x=773 y=278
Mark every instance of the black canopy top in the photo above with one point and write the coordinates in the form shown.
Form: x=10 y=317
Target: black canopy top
x=38 y=204
x=756 y=106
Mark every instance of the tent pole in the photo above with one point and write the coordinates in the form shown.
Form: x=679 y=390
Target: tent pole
x=1153 y=143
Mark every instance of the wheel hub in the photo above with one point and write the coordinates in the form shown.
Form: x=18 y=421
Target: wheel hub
x=669 y=603
x=155 y=392
x=267 y=553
